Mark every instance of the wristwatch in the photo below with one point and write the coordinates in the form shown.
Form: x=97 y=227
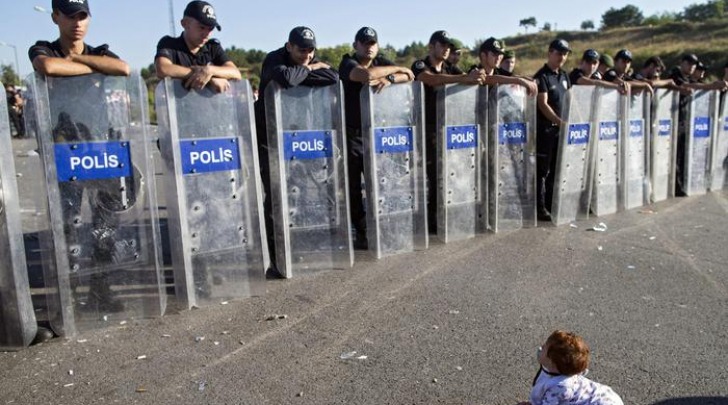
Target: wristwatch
x=391 y=78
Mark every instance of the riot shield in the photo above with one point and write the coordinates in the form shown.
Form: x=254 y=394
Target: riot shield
x=701 y=126
x=102 y=249
x=214 y=198
x=462 y=191
x=611 y=112
x=662 y=150
x=719 y=155
x=512 y=158
x=307 y=151
x=394 y=173
x=635 y=189
x=17 y=319
x=572 y=181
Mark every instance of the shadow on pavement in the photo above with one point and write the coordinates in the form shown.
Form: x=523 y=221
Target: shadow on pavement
x=694 y=401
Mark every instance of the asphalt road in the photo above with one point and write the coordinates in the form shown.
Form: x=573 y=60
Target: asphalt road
x=456 y=324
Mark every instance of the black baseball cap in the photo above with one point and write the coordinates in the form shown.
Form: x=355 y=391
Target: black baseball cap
x=701 y=66
x=623 y=54
x=366 y=35
x=302 y=37
x=442 y=37
x=492 y=45
x=203 y=12
x=590 y=55
x=691 y=57
x=560 y=45
x=71 y=7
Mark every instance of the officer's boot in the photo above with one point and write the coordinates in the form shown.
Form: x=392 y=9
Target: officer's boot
x=541 y=211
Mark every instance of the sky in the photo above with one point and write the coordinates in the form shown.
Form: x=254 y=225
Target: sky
x=132 y=28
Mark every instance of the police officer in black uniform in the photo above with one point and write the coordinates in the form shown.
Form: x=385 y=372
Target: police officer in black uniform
x=453 y=59
x=621 y=72
x=432 y=71
x=587 y=73
x=553 y=83
x=364 y=66
x=193 y=56
x=682 y=76
x=491 y=54
x=294 y=64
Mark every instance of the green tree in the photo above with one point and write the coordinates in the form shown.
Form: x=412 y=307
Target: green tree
x=587 y=25
x=333 y=56
x=546 y=26
x=661 y=18
x=706 y=11
x=528 y=22
x=627 y=16
x=9 y=76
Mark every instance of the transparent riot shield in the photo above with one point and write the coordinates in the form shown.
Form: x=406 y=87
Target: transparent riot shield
x=214 y=198
x=719 y=155
x=512 y=158
x=701 y=126
x=17 y=319
x=663 y=139
x=394 y=172
x=307 y=150
x=635 y=189
x=611 y=112
x=572 y=182
x=462 y=190
x=102 y=249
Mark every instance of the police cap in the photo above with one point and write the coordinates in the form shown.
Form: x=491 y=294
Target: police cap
x=492 y=45
x=590 y=55
x=623 y=54
x=560 y=45
x=691 y=58
x=442 y=37
x=302 y=37
x=71 y=7
x=203 y=12
x=366 y=35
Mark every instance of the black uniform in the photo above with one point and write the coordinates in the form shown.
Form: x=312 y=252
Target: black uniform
x=454 y=68
x=577 y=74
x=352 y=110
x=431 y=136
x=15 y=112
x=176 y=50
x=278 y=67
x=68 y=129
x=680 y=79
x=611 y=75
x=555 y=84
x=496 y=72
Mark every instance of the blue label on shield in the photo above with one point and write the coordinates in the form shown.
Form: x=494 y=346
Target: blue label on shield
x=393 y=140
x=702 y=127
x=608 y=131
x=462 y=137
x=513 y=133
x=725 y=124
x=303 y=145
x=209 y=155
x=92 y=160
x=664 y=128
x=636 y=128
x=578 y=134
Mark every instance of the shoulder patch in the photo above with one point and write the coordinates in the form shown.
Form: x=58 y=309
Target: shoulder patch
x=419 y=64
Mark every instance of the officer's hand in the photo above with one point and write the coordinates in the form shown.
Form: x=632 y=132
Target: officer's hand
x=685 y=91
x=530 y=86
x=410 y=75
x=199 y=78
x=219 y=85
x=379 y=84
x=476 y=76
x=719 y=85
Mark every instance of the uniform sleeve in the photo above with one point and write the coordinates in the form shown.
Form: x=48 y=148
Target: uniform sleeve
x=219 y=56
x=543 y=87
x=454 y=70
x=41 y=48
x=610 y=75
x=164 y=49
x=321 y=77
x=275 y=69
x=418 y=67
x=103 y=50
x=575 y=75
x=346 y=66
x=677 y=77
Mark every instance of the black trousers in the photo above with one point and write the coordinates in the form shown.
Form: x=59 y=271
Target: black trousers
x=547 y=147
x=355 y=163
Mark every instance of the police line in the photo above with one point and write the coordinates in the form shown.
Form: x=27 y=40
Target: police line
x=102 y=248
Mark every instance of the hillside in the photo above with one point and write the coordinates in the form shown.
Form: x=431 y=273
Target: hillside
x=708 y=40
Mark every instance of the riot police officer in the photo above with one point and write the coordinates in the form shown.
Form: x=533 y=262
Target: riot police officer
x=294 y=64
x=587 y=73
x=553 y=83
x=364 y=66
x=432 y=71
x=490 y=54
x=193 y=56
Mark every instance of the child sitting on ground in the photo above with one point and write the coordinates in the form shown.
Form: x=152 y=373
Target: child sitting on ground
x=560 y=380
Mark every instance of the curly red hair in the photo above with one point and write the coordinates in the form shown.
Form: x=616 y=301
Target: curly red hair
x=568 y=351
